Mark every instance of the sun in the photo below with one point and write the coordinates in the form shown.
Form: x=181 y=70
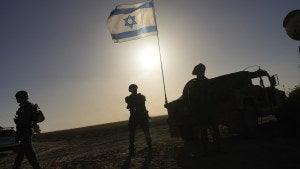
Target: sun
x=148 y=57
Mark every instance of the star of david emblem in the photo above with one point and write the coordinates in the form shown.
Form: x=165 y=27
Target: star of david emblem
x=130 y=21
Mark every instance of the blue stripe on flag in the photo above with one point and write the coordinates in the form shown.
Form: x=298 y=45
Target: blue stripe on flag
x=130 y=10
x=134 y=33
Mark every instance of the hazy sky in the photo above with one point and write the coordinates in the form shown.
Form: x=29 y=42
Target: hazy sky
x=61 y=52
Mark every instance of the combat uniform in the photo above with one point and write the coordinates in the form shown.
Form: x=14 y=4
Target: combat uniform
x=24 y=124
x=195 y=95
x=138 y=116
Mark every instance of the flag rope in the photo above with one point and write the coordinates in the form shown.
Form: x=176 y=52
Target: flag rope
x=161 y=65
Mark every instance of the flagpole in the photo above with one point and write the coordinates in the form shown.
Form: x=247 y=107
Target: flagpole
x=161 y=65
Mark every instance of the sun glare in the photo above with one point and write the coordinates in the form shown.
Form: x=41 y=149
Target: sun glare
x=148 y=57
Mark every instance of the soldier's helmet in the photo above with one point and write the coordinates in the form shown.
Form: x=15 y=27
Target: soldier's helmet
x=199 y=69
x=132 y=87
x=22 y=95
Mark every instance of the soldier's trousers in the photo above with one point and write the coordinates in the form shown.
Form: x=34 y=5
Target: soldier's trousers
x=215 y=135
x=25 y=148
x=144 y=123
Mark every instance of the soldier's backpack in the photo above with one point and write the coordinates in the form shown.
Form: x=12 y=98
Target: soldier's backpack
x=38 y=115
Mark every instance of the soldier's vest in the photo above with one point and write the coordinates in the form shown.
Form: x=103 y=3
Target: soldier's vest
x=25 y=115
x=136 y=104
x=195 y=92
x=196 y=98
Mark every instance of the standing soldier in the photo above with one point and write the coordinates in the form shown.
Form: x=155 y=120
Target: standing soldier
x=194 y=97
x=25 y=122
x=138 y=116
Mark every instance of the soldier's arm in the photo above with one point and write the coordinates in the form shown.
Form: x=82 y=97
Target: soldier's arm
x=34 y=113
x=148 y=114
x=146 y=111
x=17 y=137
x=127 y=101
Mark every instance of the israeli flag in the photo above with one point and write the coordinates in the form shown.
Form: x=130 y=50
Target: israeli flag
x=132 y=21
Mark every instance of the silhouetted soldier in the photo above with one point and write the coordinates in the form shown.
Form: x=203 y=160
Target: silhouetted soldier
x=24 y=120
x=192 y=91
x=138 y=116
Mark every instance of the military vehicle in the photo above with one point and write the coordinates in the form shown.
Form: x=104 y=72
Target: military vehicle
x=7 y=139
x=238 y=100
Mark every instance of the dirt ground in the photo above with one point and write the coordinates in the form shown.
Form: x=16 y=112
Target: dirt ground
x=105 y=147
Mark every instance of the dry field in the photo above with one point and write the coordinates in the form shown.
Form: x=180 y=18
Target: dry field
x=105 y=146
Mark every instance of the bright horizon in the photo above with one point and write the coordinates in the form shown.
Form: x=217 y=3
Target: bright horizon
x=63 y=54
